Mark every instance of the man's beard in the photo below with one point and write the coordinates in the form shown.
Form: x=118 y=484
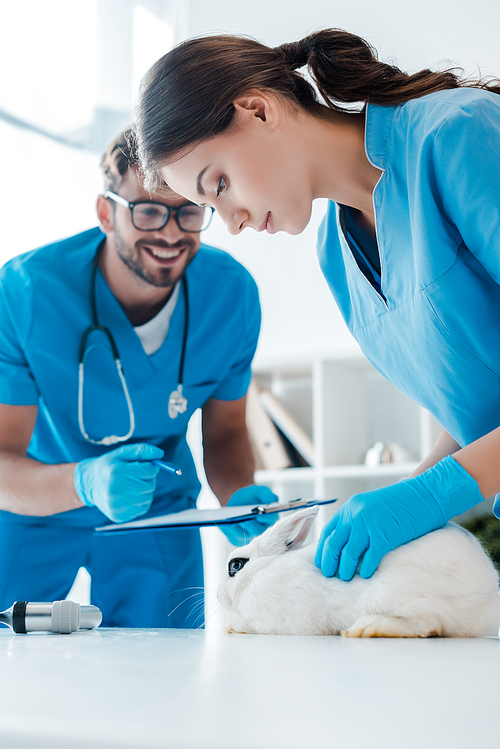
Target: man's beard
x=164 y=277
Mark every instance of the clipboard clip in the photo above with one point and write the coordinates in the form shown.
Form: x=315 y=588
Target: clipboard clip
x=278 y=506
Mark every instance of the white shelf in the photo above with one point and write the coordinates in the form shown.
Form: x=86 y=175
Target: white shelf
x=347 y=471
x=389 y=469
x=345 y=406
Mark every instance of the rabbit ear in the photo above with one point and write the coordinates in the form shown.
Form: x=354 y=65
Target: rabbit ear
x=290 y=533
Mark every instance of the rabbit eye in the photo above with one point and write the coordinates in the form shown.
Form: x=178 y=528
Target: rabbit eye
x=235 y=565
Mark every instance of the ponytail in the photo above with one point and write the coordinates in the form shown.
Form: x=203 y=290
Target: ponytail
x=187 y=96
x=346 y=70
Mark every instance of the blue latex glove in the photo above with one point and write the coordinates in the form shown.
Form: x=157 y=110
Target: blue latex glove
x=376 y=522
x=120 y=482
x=240 y=534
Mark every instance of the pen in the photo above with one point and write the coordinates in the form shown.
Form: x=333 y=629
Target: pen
x=167 y=466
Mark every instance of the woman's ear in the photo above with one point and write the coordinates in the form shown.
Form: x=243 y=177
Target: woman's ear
x=257 y=106
x=105 y=214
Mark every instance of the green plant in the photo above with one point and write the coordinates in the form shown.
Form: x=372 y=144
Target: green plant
x=487 y=529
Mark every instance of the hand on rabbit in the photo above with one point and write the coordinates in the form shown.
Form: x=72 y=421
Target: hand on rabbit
x=376 y=522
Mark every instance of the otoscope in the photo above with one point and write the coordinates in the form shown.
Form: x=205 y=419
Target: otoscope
x=62 y=617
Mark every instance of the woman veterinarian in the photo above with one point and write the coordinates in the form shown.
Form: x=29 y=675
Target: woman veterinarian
x=409 y=247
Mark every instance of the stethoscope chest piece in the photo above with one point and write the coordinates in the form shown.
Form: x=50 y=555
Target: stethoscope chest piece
x=177 y=403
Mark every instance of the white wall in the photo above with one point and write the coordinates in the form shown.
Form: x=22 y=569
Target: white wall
x=299 y=314
x=72 y=70
x=64 y=58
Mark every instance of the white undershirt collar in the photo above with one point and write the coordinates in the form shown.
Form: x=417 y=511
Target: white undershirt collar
x=153 y=333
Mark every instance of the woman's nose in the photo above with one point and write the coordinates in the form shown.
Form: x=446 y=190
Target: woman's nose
x=235 y=221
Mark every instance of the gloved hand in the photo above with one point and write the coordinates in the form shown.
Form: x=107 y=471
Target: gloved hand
x=376 y=522
x=240 y=534
x=120 y=482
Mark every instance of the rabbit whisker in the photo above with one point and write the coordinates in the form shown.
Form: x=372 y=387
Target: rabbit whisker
x=184 y=600
x=197 y=613
x=209 y=618
x=198 y=606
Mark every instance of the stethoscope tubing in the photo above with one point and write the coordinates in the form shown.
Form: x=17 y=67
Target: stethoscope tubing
x=83 y=351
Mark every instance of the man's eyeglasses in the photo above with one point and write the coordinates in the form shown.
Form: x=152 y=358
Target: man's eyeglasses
x=150 y=216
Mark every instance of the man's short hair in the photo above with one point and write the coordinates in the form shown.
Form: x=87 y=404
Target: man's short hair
x=119 y=157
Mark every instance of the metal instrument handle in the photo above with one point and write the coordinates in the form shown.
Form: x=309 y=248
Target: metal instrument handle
x=278 y=506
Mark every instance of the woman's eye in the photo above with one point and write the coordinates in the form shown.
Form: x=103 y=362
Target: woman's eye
x=235 y=565
x=221 y=186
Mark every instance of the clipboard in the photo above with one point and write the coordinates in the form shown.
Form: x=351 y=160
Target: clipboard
x=201 y=518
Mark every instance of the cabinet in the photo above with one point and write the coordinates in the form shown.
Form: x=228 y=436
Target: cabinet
x=345 y=406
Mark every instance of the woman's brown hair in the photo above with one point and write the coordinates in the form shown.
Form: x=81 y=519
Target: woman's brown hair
x=188 y=94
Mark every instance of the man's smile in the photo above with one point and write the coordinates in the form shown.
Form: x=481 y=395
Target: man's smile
x=165 y=255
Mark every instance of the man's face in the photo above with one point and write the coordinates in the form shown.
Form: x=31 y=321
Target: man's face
x=158 y=257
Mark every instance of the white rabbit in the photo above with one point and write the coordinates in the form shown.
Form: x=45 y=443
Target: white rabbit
x=440 y=584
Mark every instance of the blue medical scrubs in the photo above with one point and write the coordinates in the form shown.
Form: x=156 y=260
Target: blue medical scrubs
x=428 y=318
x=140 y=579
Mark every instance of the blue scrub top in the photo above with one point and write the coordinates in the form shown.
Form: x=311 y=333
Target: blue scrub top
x=433 y=328
x=45 y=308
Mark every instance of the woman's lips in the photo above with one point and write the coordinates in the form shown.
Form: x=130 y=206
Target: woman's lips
x=267 y=224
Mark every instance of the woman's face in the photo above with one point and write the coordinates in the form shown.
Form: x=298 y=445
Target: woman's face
x=253 y=175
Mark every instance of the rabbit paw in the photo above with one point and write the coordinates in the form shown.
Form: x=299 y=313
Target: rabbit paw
x=236 y=627
x=374 y=625
x=231 y=631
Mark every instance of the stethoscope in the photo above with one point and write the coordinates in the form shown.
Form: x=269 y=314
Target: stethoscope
x=177 y=403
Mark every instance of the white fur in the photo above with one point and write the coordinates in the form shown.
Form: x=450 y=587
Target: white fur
x=440 y=584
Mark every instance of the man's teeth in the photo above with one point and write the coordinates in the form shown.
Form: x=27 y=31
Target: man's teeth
x=164 y=254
